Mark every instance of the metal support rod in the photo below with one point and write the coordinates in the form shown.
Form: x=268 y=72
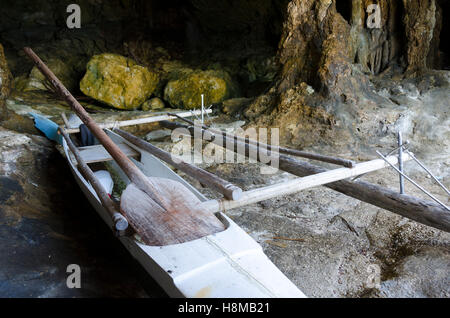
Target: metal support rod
x=203 y=108
x=413 y=182
x=400 y=163
x=428 y=171
x=404 y=144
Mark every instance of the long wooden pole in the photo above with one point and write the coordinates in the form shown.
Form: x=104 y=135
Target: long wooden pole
x=229 y=190
x=120 y=222
x=419 y=210
x=130 y=169
x=158 y=218
x=288 y=151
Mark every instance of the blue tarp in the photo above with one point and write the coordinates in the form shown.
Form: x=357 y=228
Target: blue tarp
x=48 y=127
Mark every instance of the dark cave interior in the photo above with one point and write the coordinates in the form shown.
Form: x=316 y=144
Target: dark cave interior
x=344 y=8
x=444 y=45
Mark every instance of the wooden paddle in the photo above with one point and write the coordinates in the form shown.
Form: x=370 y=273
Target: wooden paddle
x=161 y=211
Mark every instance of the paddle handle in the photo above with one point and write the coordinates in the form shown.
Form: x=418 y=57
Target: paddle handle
x=130 y=169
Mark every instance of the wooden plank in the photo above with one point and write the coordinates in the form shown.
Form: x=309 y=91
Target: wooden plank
x=97 y=153
x=296 y=185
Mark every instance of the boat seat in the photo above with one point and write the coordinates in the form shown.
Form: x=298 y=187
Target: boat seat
x=97 y=153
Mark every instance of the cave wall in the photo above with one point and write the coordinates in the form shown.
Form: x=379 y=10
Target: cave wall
x=330 y=61
x=324 y=44
x=322 y=38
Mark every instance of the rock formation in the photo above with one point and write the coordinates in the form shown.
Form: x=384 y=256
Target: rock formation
x=185 y=91
x=118 y=81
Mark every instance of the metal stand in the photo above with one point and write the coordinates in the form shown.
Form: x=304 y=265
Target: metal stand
x=403 y=176
x=400 y=162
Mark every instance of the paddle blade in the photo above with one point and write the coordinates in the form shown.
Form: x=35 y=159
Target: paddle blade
x=180 y=220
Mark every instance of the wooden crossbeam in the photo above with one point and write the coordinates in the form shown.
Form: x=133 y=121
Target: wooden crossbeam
x=298 y=184
x=98 y=153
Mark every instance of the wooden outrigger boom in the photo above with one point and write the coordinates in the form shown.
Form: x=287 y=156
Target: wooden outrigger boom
x=283 y=150
x=419 y=210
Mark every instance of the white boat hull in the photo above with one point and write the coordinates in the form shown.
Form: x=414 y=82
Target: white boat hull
x=229 y=264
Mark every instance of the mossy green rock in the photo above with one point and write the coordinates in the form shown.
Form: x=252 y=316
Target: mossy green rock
x=185 y=92
x=118 y=81
x=37 y=81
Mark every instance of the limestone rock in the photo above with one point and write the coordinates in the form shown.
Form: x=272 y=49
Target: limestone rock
x=5 y=75
x=156 y=135
x=420 y=21
x=153 y=104
x=233 y=105
x=118 y=81
x=37 y=81
x=186 y=91
x=5 y=84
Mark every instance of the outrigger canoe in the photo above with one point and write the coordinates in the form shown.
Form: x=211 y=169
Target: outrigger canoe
x=225 y=264
x=182 y=239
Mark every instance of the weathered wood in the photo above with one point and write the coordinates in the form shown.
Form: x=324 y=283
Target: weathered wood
x=97 y=153
x=298 y=184
x=200 y=220
x=164 y=228
x=120 y=222
x=288 y=151
x=146 y=120
x=419 y=210
x=229 y=190
x=65 y=120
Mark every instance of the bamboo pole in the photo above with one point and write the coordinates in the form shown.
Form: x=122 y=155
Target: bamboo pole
x=419 y=210
x=229 y=190
x=139 y=121
x=298 y=184
x=119 y=221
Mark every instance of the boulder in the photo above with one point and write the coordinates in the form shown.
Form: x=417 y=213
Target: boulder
x=158 y=135
x=37 y=81
x=118 y=81
x=153 y=104
x=234 y=105
x=185 y=92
